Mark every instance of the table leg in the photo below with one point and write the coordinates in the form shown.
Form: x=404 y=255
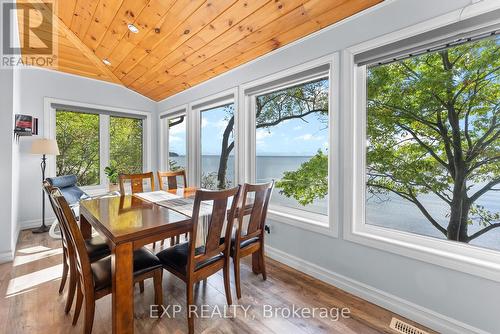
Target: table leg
x=123 y=288
x=85 y=227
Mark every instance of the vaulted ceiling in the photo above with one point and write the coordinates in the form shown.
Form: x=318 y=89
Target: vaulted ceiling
x=179 y=43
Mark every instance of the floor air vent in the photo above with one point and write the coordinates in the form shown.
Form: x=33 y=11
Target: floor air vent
x=405 y=328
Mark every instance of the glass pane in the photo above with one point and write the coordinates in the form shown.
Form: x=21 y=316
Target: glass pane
x=433 y=145
x=125 y=144
x=78 y=140
x=177 y=143
x=217 y=147
x=292 y=145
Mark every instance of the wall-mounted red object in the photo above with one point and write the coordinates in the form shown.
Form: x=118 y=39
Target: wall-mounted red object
x=25 y=125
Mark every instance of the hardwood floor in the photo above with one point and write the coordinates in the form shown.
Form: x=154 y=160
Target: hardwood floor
x=30 y=302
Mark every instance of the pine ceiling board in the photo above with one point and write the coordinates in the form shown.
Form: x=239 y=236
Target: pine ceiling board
x=127 y=13
x=103 y=16
x=312 y=9
x=146 y=21
x=264 y=15
x=175 y=19
x=329 y=17
x=84 y=12
x=180 y=43
x=232 y=16
x=65 y=10
x=194 y=66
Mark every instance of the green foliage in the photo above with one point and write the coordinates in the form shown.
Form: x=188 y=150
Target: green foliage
x=433 y=128
x=125 y=147
x=112 y=174
x=293 y=103
x=78 y=140
x=173 y=165
x=310 y=181
x=307 y=183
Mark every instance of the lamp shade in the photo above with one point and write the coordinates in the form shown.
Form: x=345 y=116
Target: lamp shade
x=45 y=146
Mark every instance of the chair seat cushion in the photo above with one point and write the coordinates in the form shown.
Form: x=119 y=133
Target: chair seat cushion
x=176 y=257
x=243 y=244
x=144 y=261
x=97 y=248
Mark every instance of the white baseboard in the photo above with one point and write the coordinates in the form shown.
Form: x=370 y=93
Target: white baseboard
x=6 y=257
x=27 y=224
x=417 y=313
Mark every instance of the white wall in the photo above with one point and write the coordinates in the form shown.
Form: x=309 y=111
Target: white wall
x=35 y=85
x=6 y=138
x=446 y=300
x=9 y=152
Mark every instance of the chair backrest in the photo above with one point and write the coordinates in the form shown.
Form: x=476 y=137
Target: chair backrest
x=219 y=217
x=136 y=182
x=67 y=185
x=81 y=257
x=261 y=195
x=51 y=191
x=172 y=179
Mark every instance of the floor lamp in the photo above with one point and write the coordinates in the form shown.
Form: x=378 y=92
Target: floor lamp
x=44 y=147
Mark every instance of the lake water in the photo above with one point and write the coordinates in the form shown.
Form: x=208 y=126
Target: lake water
x=394 y=212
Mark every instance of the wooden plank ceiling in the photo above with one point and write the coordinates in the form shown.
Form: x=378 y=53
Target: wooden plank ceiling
x=180 y=43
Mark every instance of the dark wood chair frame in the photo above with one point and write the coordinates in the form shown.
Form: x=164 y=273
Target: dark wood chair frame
x=213 y=244
x=85 y=280
x=172 y=184
x=136 y=182
x=171 y=179
x=255 y=228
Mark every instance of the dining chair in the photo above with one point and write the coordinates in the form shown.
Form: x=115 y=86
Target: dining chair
x=193 y=264
x=95 y=247
x=137 y=186
x=172 y=179
x=172 y=184
x=95 y=278
x=136 y=182
x=250 y=239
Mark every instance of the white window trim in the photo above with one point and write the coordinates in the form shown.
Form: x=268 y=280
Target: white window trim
x=163 y=144
x=195 y=130
x=49 y=130
x=323 y=224
x=466 y=258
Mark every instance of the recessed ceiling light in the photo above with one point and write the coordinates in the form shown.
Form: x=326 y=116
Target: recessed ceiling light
x=106 y=61
x=133 y=28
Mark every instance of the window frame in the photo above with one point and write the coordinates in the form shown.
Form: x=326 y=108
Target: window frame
x=104 y=136
x=319 y=223
x=458 y=256
x=163 y=144
x=195 y=109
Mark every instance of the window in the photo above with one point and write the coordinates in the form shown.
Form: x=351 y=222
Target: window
x=78 y=140
x=292 y=145
x=90 y=141
x=217 y=147
x=125 y=144
x=176 y=142
x=433 y=144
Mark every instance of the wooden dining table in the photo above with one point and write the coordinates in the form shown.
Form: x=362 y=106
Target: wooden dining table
x=128 y=223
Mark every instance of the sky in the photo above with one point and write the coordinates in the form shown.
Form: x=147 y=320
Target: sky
x=291 y=138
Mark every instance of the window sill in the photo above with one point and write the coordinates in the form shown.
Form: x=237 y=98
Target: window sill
x=465 y=258
x=313 y=222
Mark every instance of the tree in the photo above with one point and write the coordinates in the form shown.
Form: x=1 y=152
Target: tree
x=78 y=140
x=125 y=147
x=433 y=128
x=277 y=107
